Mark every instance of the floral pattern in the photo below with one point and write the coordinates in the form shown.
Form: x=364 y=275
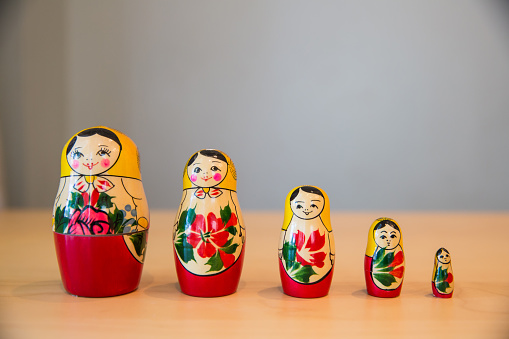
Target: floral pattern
x=388 y=268
x=443 y=280
x=300 y=255
x=89 y=221
x=209 y=237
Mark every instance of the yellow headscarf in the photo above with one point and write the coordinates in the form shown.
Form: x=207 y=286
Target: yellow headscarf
x=371 y=247
x=229 y=182
x=127 y=165
x=324 y=215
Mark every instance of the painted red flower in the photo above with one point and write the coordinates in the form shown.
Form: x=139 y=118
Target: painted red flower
x=210 y=235
x=398 y=259
x=308 y=252
x=89 y=221
x=398 y=272
x=449 y=278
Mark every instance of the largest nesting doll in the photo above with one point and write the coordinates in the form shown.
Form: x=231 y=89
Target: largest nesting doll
x=100 y=216
x=208 y=233
x=306 y=244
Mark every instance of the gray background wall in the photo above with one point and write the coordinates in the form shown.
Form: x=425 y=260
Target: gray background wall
x=399 y=105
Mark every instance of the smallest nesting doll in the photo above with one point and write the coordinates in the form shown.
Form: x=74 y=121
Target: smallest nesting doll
x=442 y=281
x=384 y=263
x=306 y=244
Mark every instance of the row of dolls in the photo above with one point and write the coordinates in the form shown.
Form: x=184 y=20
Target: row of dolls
x=101 y=212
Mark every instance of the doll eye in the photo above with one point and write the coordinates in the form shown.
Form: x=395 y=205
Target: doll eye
x=197 y=170
x=76 y=154
x=313 y=205
x=215 y=168
x=393 y=236
x=441 y=257
x=299 y=207
x=104 y=151
x=383 y=237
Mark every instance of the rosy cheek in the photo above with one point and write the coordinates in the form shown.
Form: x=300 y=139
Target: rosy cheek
x=105 y=163
x=75 y=164
x=194 y=177
x=217 y=177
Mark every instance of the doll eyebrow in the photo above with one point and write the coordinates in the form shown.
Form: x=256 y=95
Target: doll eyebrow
x=316 y=200
x=300 y=201
x=383 y=232
x=103 y=145
x=393 y=232
x=217 y=162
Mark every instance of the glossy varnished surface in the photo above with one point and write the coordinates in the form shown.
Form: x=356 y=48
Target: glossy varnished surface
x=34 y=304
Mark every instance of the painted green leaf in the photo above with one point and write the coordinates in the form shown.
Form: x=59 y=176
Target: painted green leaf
x=384 y=278
x=442 y=286
x=61 y=221
x=289 y=251
x=215 y=262
x=181 y=227
x=191 y=215
x=226 y=214
x=441 y=274
x=385 y=269
x=302 y=274
x=104 y=201
x=386 y=261
x=115 y=220
x=228 y=243
x=231 y=230
x=76 y=201
x=378 y=256
x=230 y=249
x=184 y=249
x=139 y=241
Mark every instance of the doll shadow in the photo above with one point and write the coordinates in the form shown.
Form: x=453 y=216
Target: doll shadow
x=46 y=291
x=272 y=293
x=172 y=291
x=361 y=294
x=169 y=291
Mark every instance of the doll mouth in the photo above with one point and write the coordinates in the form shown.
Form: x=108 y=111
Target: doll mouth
x=206 y=179
x=306 y=213
x=90 y=166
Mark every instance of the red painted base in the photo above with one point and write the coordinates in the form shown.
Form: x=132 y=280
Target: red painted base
x=438 y=294
x=217 y=285
x=295 y=289
x=372 y=288
x=96 y=266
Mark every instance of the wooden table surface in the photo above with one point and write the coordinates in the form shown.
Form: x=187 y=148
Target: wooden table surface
x=34 y=304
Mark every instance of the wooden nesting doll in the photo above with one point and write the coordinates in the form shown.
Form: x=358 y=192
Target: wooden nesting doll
x=100 y=216
x=442 y=282
x=306 y=244
x=384 y=263
x=208 y=233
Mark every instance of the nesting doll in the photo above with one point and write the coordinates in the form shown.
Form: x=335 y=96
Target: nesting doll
x=306 y=244
x=442 y=282
x=384 y=263
x=100 y=216
x=208 y=232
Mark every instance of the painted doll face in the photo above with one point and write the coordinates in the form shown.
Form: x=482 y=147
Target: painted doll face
x=207 y=171
x=307 y=205
x=93 y=155
x=387 y=237
x=444 y=257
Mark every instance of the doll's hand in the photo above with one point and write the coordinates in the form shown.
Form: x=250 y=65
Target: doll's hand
x=332 y=258
x=280 y=253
